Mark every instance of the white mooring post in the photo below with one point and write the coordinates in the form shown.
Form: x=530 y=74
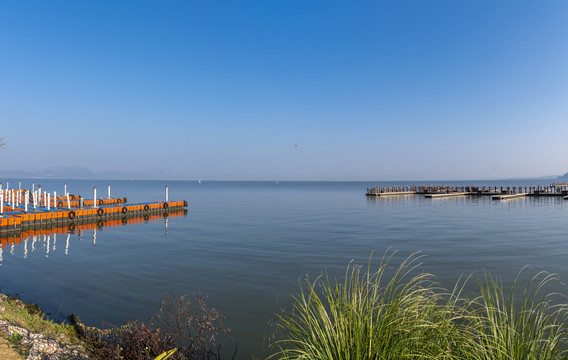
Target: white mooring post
x=26 y=199
x=2 y=204
x=109 y=191
x=68 y=202
x=95 y=197
x=48 y=202
x=65 y=189
x=55 y=199
x=167 y=193
x=44 y=198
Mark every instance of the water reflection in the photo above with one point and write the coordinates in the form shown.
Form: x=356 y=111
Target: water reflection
x=46 y=238
x=466 y=200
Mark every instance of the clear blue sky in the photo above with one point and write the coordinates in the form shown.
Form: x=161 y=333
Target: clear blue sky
x=287 y=90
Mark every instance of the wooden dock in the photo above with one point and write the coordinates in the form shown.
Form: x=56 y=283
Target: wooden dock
x=496 y=193
x=509 y=196
x=393 y=193
x=445 y=195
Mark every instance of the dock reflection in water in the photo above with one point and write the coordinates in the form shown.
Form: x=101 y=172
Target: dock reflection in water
x=45 y=239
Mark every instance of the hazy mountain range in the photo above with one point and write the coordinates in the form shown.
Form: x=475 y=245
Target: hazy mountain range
x=83 y=173
x=79 y=172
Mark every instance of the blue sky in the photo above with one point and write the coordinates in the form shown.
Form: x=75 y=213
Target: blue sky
x=287 y=90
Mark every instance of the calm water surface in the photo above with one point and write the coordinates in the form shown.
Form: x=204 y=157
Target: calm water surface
x=246 y=245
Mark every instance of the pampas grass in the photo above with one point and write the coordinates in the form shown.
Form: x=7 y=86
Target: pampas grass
x=404 y=314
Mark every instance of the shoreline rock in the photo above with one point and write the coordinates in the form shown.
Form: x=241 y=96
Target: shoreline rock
x=39 y=346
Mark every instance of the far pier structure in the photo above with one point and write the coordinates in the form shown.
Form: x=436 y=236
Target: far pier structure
x=496 y=193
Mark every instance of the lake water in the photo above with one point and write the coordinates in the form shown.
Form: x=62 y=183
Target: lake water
x=246 y=245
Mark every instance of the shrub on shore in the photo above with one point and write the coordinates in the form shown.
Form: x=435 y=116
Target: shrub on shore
x=405 y=314
x=190 y=327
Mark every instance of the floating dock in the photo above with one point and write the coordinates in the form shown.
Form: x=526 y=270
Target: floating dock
x=445 y=195
x=393 y=193
x=496 y=193
x=390 y=191
x=16 y=237
x=25 y=209
x=508 y=197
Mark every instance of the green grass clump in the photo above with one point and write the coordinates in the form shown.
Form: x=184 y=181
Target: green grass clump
x=534 y=327
x=30 y=318
x=402 y=313
x=15 y=338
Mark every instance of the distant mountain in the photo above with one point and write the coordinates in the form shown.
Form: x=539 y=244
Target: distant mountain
x=563 y=177
x=80 y=173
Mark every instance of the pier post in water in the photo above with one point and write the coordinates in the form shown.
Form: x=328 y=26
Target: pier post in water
x=94 y=196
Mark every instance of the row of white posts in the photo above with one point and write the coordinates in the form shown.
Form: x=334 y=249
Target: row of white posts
x=14 y=197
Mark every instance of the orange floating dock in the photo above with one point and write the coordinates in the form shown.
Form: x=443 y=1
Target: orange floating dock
x=16 y=237
x=72 y=210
